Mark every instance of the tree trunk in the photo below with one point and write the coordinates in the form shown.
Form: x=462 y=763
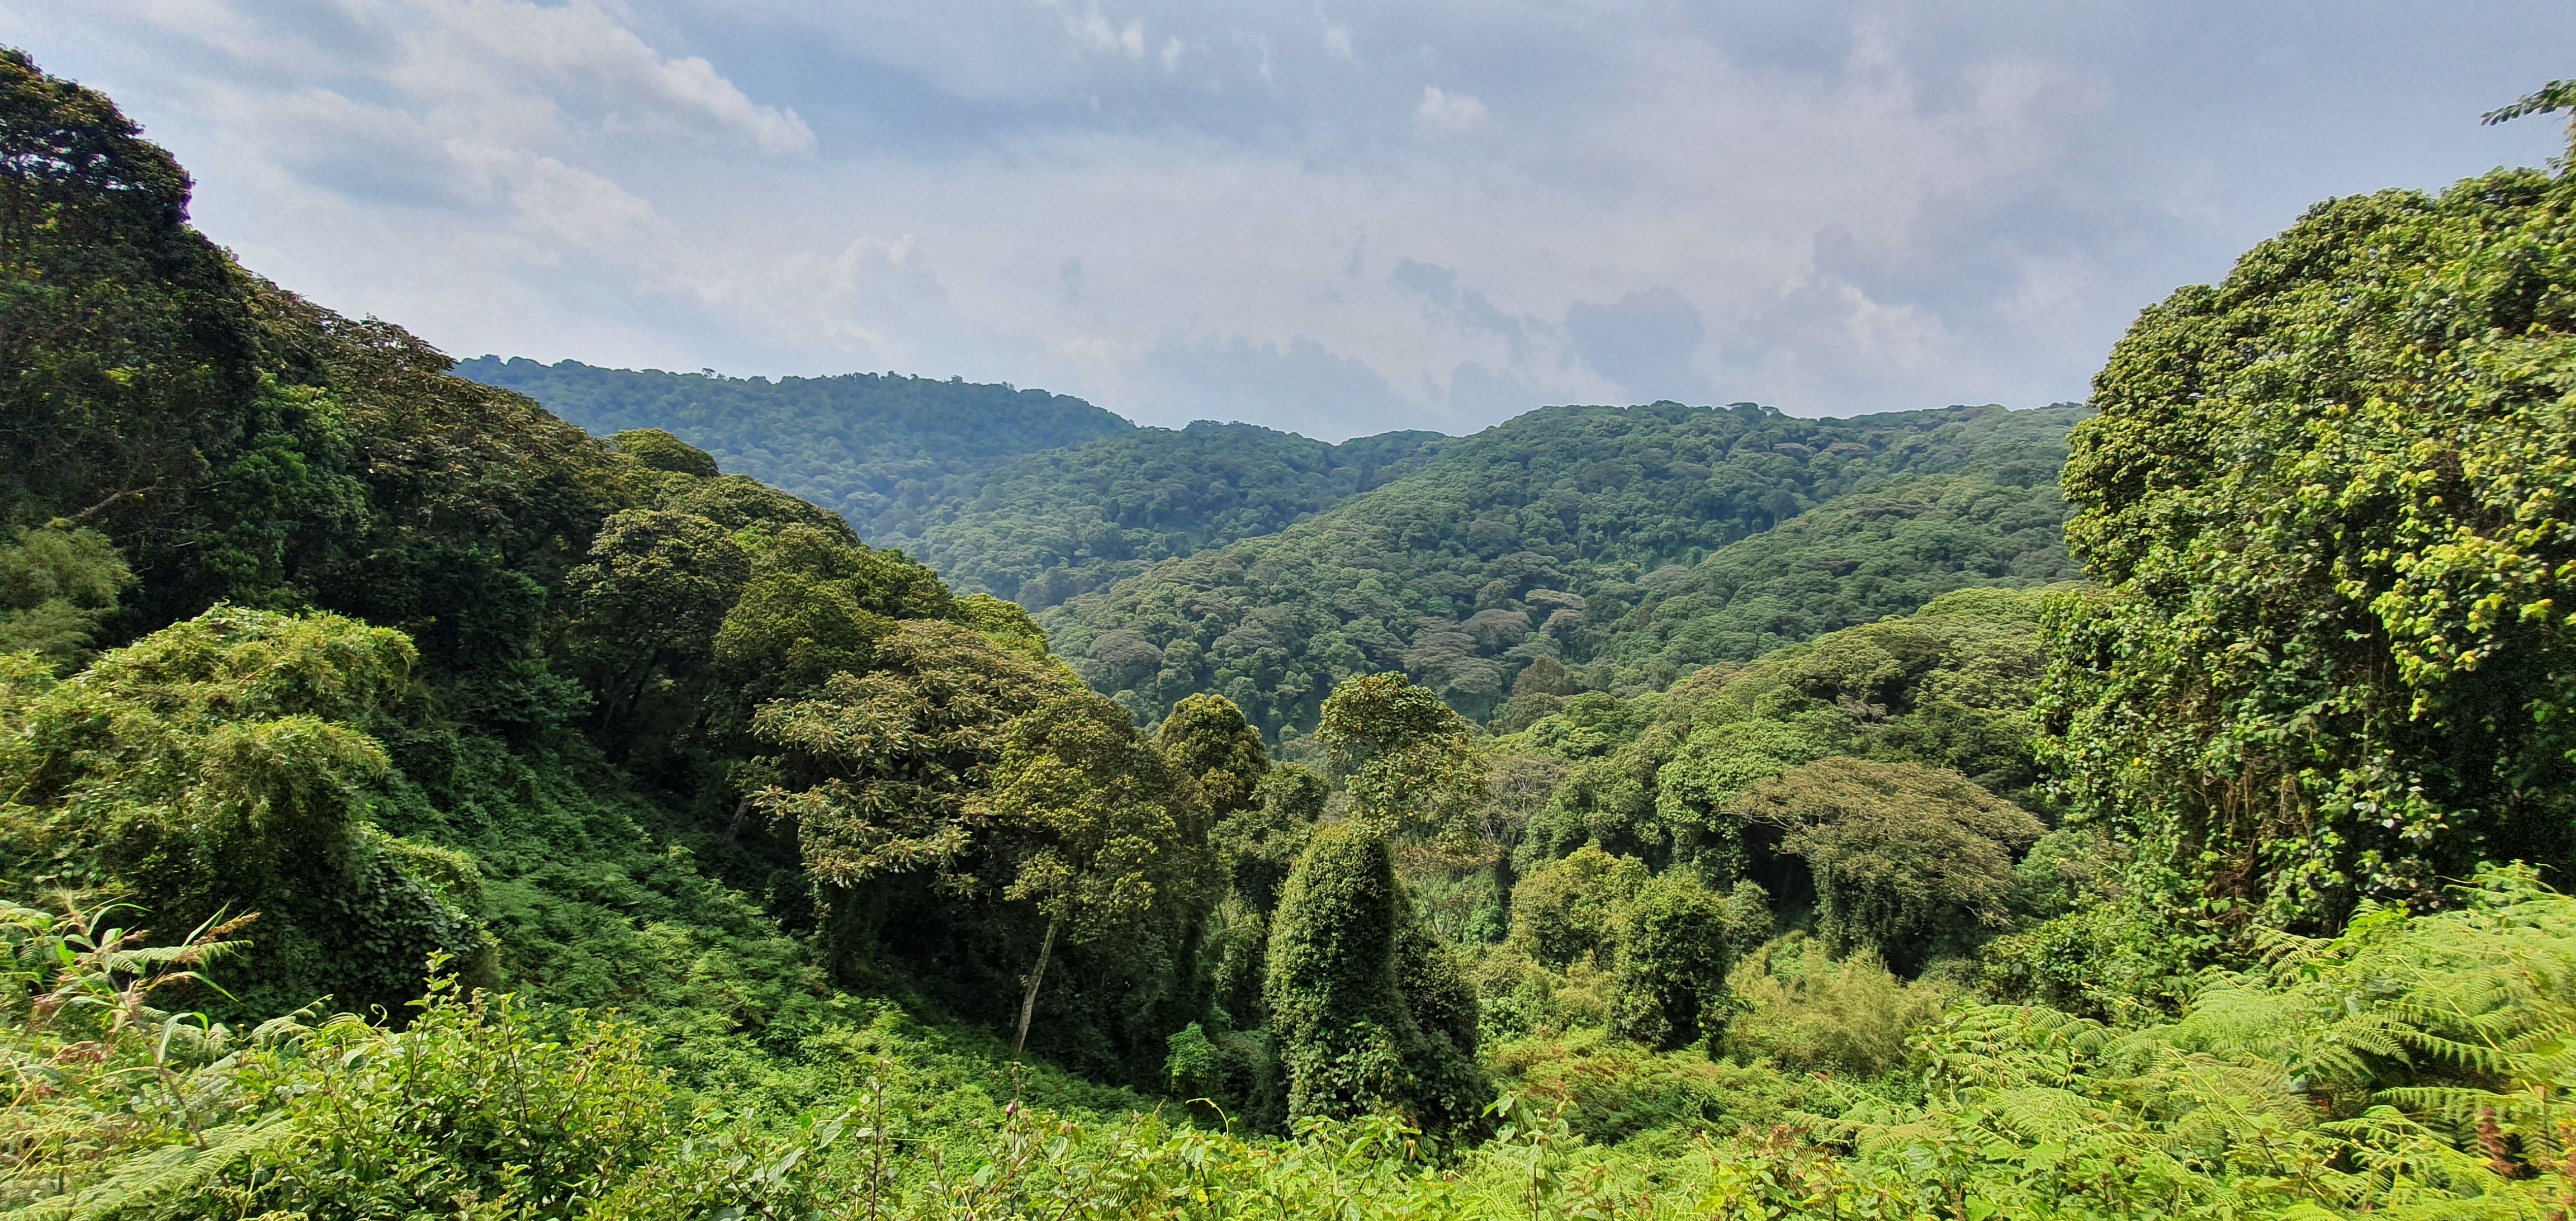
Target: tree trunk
x=1029 y=1002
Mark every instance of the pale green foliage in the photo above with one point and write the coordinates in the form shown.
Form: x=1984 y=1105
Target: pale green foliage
x=1901 y=853
x=219 y=765
x=1568 y=909
x=1808 y=1012
x=55 y=587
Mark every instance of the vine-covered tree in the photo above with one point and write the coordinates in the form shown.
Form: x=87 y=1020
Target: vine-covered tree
x=1368 y=1009
x=2328 y=503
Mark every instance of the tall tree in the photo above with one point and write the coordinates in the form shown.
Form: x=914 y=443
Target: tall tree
x=1100 y=828
x=880 y=773
x=1408 y=760
x=1369 y=1010
x=2328 y=504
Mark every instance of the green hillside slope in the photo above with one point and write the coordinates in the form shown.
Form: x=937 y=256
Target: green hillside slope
x=1532 y=539
x=876 y=448
x=1047 y=526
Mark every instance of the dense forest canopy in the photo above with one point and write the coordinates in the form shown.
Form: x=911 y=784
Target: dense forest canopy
x=1586 y=536
x=411 y=804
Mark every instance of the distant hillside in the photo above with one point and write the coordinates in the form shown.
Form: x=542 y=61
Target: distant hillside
x=1540 y=538
x=878 y=448
x=1047 y=526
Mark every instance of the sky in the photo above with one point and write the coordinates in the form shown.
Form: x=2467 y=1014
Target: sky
x=1331 y=218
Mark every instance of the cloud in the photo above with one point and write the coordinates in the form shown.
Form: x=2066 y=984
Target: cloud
x=1429 y=280
x=1845 y=206
x=1644 y=341
x=1234 y=378
x=1097 y=33
x=590 y=68
x=1469 y=310
x=1337 y=40
x=1443 y=111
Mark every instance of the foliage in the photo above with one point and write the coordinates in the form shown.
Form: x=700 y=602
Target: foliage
x=1047 y=526
x=217 y=767
x=878 y=449
x=1406 y=759
x=1568 y=909
x=1531 y=540
x=1207 y=738
x=1676 y=939
x=55 y=587
x=1805 y=1011
x=2325 y=499
x=1903 y=856
x=879 y=772
x=1370 y=1014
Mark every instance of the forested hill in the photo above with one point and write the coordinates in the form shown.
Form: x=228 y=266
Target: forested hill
x=576 y=830
x=1585 y=535
x=876 y=448
x=1030 y=496
x=1046 y=526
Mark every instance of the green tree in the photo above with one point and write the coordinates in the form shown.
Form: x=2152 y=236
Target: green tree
x=651 y=599
x=1103 y=830
x=1409 y=762
x=1677 y=939
x=1207 y=738
x=1902 y=855
x=880 y=772
x=2326 y=501
x=129 y=345
x=1568 y=908
x=1369 y=1010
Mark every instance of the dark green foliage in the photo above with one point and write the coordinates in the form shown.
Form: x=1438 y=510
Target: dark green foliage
x=1261 y=843
x=1369 y=1013
x=129 y=344
x=1530 y=540
x=2332 y=660
x=648 y=603
x=1904 y=857
x=1676 y=940
x=875 y=771
x=879 y=449
x=1852 y=561
x=1045 y=527
x=1569 y=909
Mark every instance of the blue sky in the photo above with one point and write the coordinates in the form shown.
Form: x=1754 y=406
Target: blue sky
x=1331 y=218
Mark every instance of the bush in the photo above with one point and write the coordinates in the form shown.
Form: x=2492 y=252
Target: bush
x=1802 y=1010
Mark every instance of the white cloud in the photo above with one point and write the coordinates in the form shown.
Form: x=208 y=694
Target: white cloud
x=1441 y=110
x=1845 y=206
x=1337 y=40
x=1100 y=34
